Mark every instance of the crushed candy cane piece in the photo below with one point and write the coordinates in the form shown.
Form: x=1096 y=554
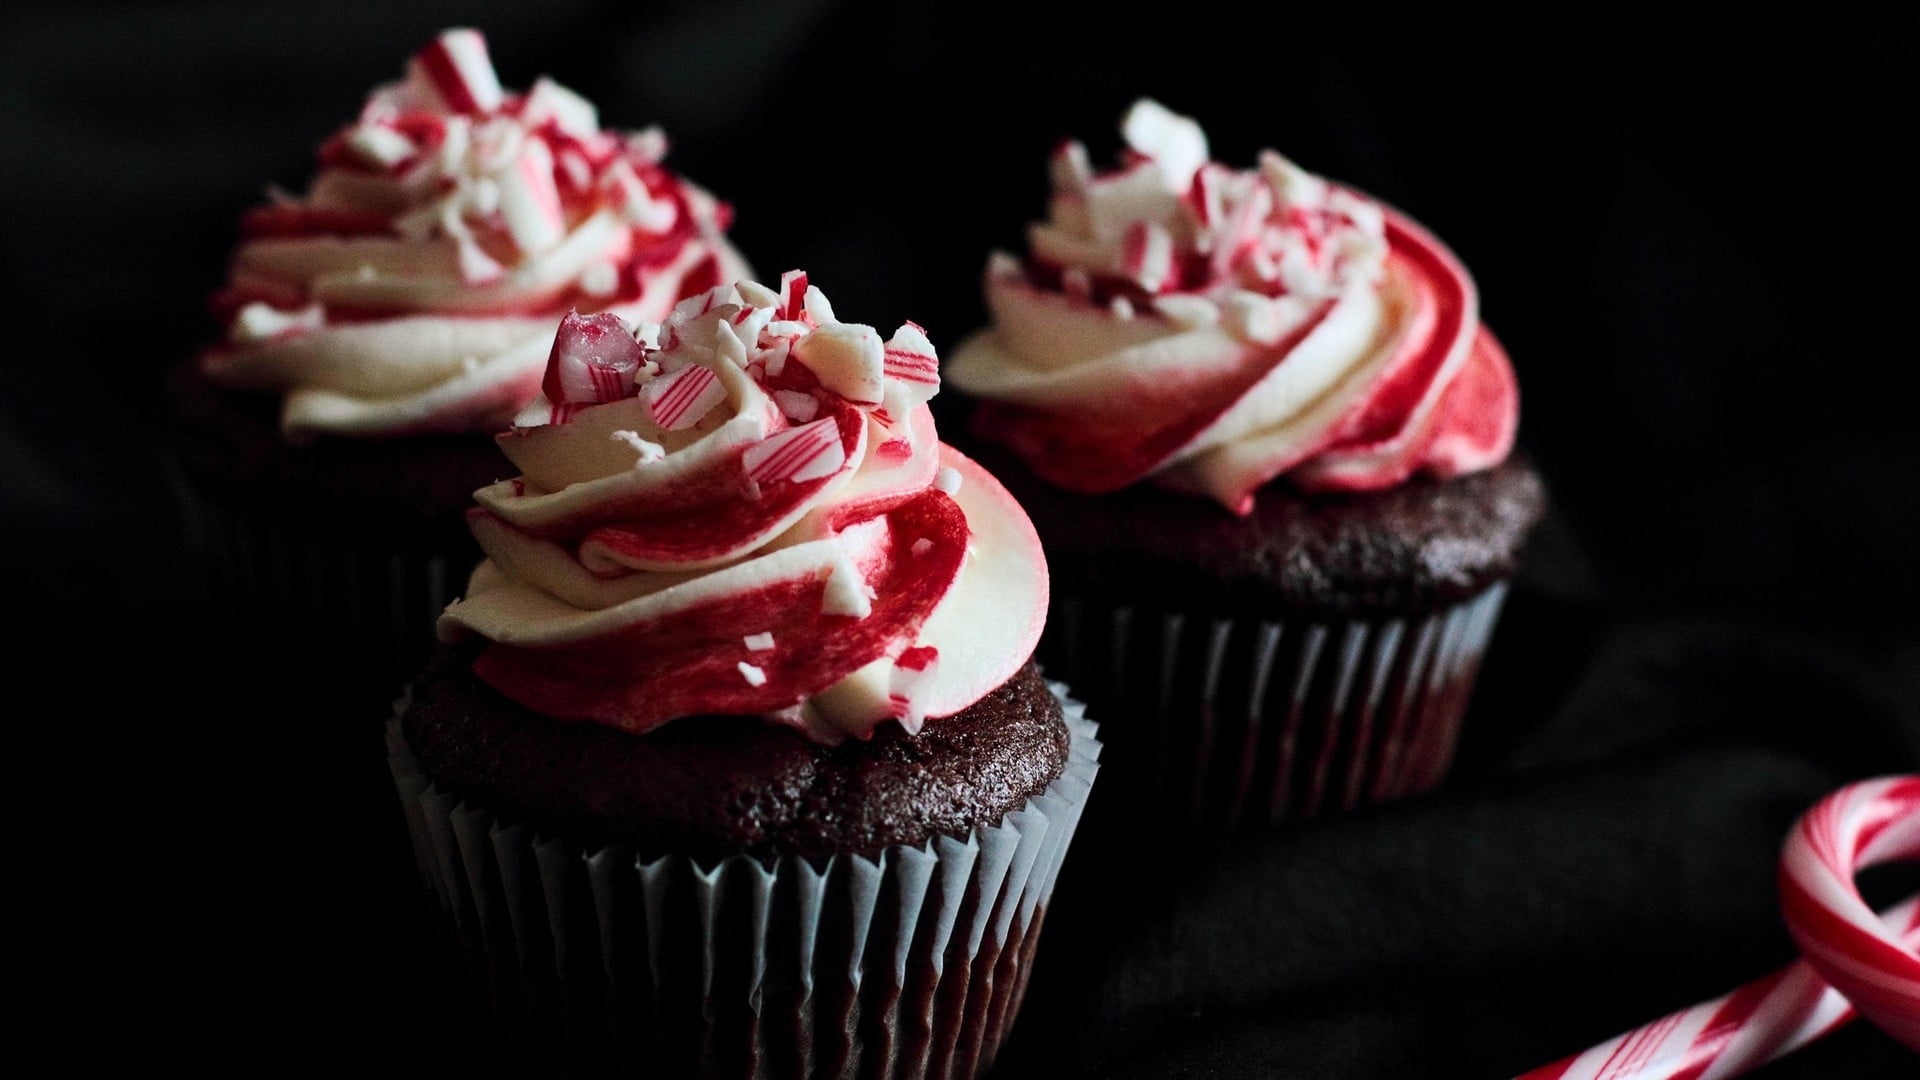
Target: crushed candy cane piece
x=379 y=145
x=595 y=359
x=797 y=406
x=846 y=592
x=1174 y=142
x=922 y=546
x=793 y=294
x=847 y=358
x=947 y=480
x=458 y=69
x=817 y=307
x=799 y=454
x=754 y=675
x=913 y=672
x=548 y=101
x=684 y=398
x=756 y=294
x=529 y=200
x=760 y=642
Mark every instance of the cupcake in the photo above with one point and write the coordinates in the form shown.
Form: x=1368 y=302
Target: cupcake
x=1266 y=442
x=734 y=759
x=381 y=328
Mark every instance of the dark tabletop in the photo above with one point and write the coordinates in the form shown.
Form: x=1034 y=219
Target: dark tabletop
x=1692 y=243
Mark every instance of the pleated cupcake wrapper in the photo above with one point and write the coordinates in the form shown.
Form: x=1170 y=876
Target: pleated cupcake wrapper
x=388 y=599
x=912 y=964
x=1227 y=721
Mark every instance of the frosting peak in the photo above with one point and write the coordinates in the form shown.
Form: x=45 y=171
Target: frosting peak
x=746 y=509
x=1212 y=328
x=415 y=286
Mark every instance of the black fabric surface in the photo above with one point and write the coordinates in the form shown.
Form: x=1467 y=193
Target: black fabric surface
x=1692 y=242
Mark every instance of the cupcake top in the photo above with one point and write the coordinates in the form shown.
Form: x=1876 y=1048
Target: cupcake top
x=1210 y=329
x=746 y=511
x=414 y=288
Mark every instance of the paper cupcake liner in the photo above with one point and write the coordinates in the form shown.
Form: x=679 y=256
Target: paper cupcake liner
x=1231 y=721
x=384 y=600
x=912 y=964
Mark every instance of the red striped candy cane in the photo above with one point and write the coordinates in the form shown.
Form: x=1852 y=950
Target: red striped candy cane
x=1850 y=958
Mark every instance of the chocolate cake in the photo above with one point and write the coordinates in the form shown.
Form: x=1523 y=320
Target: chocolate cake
x=712 y=786
x=1402 y=551
x=347 y=490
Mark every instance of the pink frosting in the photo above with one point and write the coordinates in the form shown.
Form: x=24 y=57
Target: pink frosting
x=754 y=517
x=415 y=286
x=1211 y=329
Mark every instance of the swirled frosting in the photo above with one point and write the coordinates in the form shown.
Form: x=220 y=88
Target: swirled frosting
x=753 y=516
x=415 y=287
x=1211 y=329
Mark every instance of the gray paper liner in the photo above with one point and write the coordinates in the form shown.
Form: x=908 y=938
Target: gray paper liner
x=1235 y=721
x=388 y=600
x=909 y=965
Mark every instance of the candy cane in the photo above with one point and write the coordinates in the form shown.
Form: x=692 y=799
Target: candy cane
x=1851 y=959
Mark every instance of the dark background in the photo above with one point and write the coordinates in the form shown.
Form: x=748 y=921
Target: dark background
x=1694 y=243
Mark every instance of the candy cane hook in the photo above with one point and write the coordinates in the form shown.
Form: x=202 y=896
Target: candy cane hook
x=1851 y=958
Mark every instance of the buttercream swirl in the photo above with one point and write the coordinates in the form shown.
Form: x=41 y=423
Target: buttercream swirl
x=415 y=287
x=754 y=516
x=1212 y=329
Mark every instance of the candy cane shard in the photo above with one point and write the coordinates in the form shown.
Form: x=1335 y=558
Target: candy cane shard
x=550 y=102
x=457 y=68
x=1175 y=143
x=529 y=200
x=594 y=360
x=913 y=674
x=684 y=398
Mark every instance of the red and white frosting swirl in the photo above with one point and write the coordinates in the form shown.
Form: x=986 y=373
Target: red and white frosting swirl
x=1212 y=329
x=754 y=517
x=415 y=287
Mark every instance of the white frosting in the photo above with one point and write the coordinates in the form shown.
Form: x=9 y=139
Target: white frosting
x=415 y=287
x=564 y=572
x=1152 y=285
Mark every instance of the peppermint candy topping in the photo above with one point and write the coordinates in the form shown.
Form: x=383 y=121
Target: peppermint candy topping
x=684 y=398
x=1169 y=220
x=594 y=360
x=807 y=452
x=458 y=69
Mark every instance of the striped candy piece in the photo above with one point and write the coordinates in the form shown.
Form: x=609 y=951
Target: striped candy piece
x=459 y=70
x=1851 y=957
x=594 y=360
x=802 y=453
x=682 y=399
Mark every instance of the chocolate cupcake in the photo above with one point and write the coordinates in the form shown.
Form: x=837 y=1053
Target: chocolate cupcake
x=1266 y=441
x=381 y=328
x=735 y=760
